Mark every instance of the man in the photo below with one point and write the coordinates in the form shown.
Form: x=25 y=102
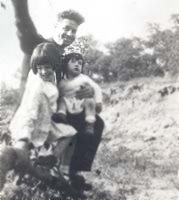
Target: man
x=64 y=34
x=65 y=29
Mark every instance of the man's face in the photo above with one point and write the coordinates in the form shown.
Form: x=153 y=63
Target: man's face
x=65 y=32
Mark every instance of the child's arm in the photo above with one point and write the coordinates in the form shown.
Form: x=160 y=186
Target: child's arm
x=97 y=93
x=25 y=119
x=97 y=90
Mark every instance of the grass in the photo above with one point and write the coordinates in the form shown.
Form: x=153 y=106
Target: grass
x=138 y=158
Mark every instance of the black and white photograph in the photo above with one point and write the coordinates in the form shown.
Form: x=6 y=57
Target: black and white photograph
x=89 y=100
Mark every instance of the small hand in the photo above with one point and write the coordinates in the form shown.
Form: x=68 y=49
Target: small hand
x=85 y=91
x=98 y=107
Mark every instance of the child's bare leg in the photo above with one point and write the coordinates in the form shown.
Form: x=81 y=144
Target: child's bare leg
x=22 y=150
x=7 y=159
x=90 y=112
x=10 y=158
x=60 y=116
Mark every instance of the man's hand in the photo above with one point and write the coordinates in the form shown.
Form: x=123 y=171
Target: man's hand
x=85 y=91
x=98 y=107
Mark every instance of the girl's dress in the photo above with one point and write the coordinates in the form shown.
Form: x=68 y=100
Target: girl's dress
x=32 y=120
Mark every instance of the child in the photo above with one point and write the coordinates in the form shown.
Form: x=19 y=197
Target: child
x=31 y=124
x=69 y=105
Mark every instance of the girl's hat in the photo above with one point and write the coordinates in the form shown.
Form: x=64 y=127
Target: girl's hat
x=73 y=51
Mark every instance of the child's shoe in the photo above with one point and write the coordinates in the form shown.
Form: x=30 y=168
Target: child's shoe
x=89 y=128
x=59 y=118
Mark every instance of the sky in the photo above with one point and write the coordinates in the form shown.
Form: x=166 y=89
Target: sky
x=106 y=20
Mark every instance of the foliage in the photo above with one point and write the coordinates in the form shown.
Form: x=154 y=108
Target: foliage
x=129 y=58
x=9 y=96
x=165 y=45
x=90 y=52
x=2 y=5
x=125 y=59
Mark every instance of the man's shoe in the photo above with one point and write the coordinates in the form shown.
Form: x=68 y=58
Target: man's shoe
x=79 y=182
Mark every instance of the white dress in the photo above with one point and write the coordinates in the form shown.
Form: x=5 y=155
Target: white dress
x=33 y=117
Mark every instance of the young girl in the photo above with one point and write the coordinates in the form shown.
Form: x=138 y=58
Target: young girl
x=31 y=125
x=71 y=107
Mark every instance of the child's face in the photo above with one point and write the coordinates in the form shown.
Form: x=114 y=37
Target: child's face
x=46 y=72
x=74 y=67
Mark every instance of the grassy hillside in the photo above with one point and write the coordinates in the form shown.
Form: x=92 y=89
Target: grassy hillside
x=139 y=155
x=138 y=158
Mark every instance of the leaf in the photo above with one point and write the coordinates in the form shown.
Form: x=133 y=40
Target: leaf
x=3 y=5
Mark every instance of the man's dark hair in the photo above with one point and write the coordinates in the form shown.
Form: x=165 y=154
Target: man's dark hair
x=72 y=15
x=45 y=53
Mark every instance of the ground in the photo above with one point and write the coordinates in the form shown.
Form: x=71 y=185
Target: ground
x=138 y=158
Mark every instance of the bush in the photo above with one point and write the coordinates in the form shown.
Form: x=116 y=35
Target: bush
x=9 y=96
